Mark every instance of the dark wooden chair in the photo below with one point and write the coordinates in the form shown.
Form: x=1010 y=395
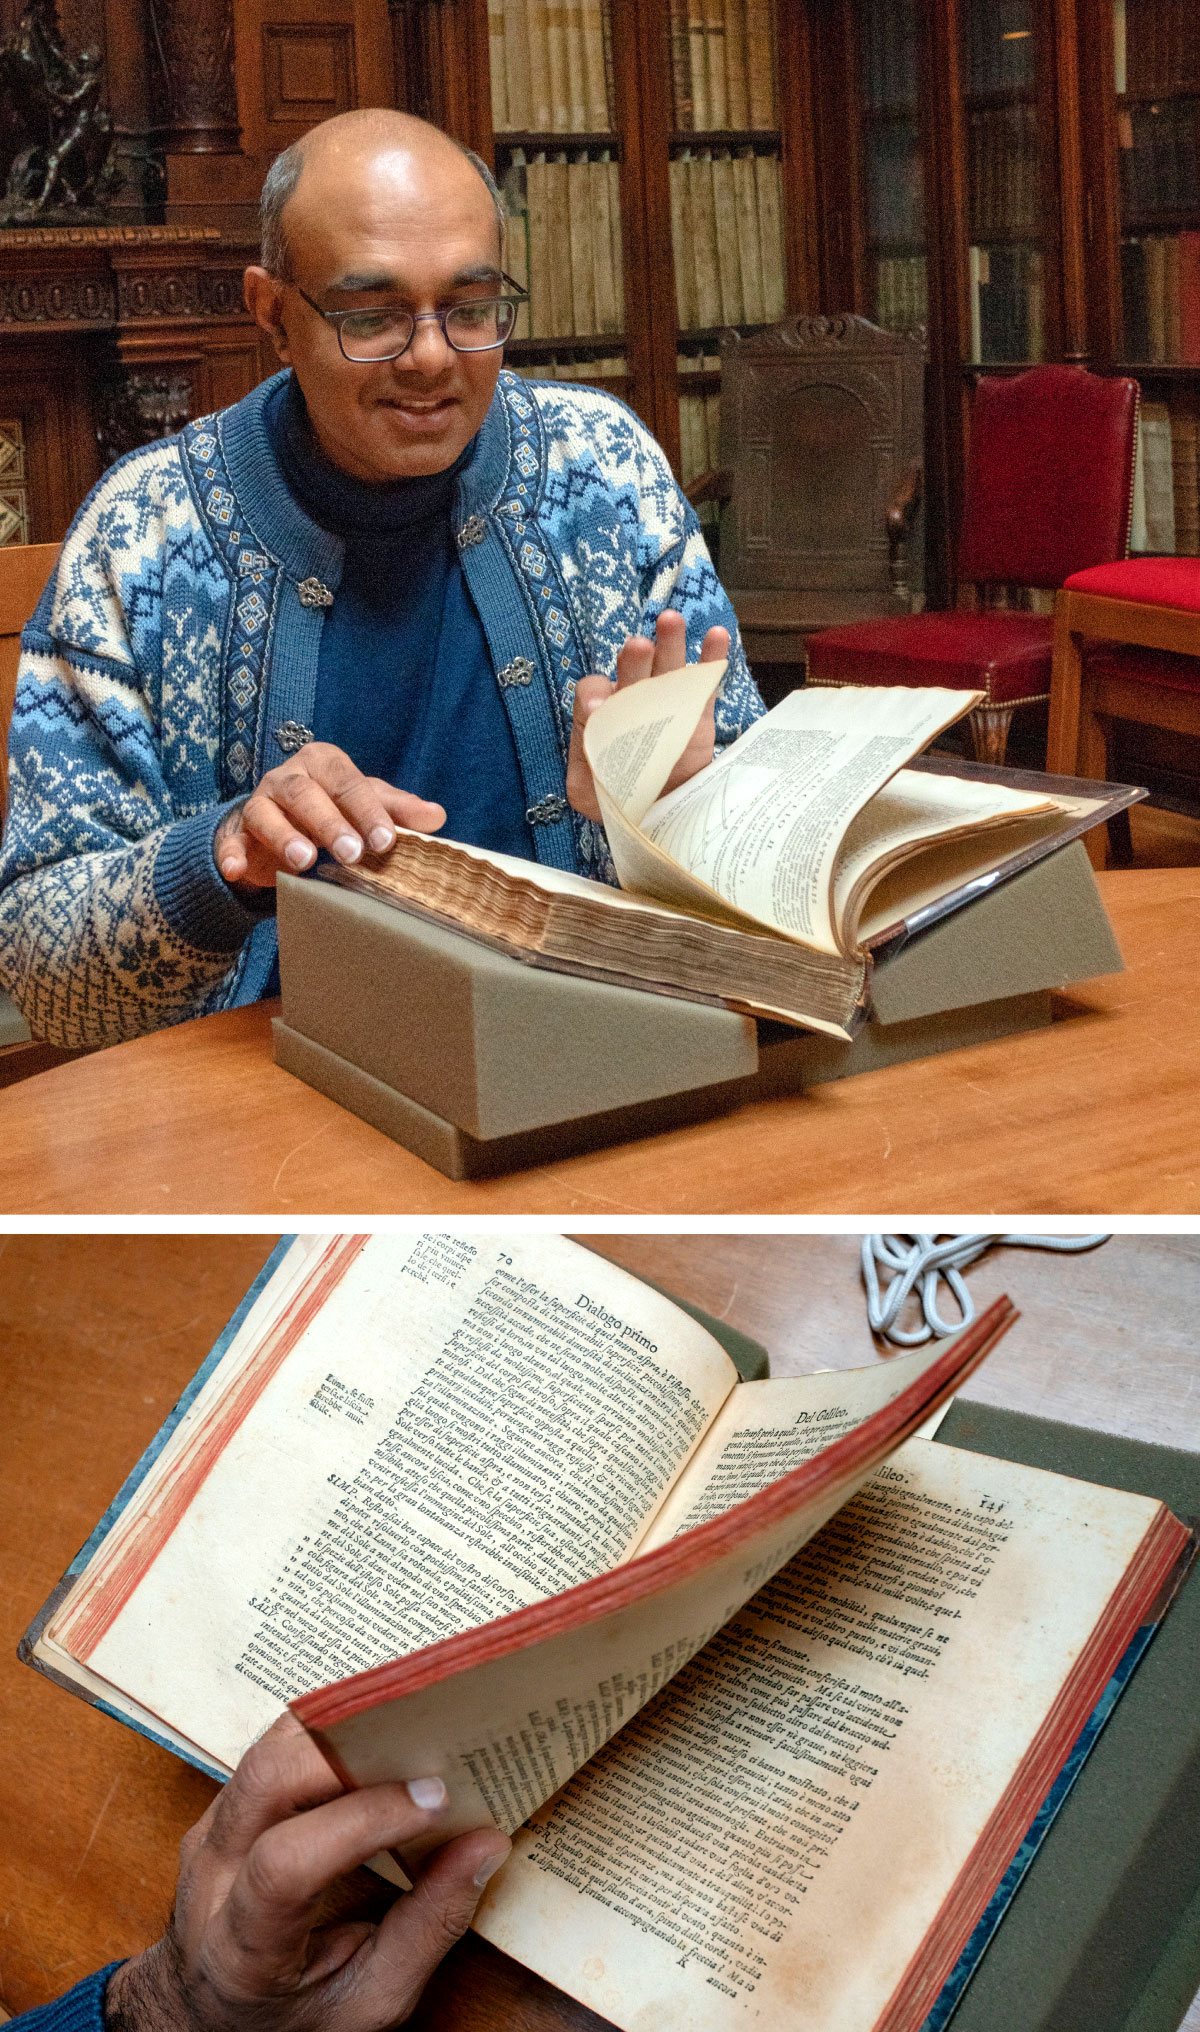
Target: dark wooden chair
x=820 y=479
x=1049 y=492
x=24 y=569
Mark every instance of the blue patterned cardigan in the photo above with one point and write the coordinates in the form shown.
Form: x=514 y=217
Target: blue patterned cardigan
x=178 y=638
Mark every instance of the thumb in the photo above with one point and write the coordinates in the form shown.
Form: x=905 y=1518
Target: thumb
x=422 y=1927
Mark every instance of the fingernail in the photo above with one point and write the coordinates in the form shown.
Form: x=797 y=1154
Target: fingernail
x=299 y=853
x=427 y=1793
x=381 y=838
x=489 y=1868
x=347 y=847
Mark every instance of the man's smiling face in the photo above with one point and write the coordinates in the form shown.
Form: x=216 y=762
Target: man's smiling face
x=385 y=214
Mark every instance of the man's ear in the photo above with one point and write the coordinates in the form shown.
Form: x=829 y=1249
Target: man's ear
x=264 y=301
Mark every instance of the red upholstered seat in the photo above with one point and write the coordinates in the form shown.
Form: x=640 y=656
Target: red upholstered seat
x=1049 y=492
x=1006 y=656
x=1155 y=581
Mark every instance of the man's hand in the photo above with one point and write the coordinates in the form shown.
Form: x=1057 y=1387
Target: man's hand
x=317 y=798
x=257 y=1945
x=640 y=659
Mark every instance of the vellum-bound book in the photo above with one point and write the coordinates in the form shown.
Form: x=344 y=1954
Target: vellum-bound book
x=774 y=878
x=769 y=1690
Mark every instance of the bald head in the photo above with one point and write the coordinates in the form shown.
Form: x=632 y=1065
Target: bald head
x=376 y=149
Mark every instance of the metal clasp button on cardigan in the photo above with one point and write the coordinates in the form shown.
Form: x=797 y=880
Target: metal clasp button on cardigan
x=292 y=736
x=314 y=594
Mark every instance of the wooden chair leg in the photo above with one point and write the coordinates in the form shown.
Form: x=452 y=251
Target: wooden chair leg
x=1062 y=735
x=989 y=732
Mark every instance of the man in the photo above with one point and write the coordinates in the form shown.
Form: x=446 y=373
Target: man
x=377 y=591
x=267 y=1932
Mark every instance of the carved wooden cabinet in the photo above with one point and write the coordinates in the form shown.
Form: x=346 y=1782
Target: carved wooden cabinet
x=110 y=336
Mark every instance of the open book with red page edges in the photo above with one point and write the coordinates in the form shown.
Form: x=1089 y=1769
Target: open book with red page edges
x=515 y=1518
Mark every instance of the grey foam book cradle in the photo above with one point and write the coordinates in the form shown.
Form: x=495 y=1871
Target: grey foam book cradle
x=480 y=1063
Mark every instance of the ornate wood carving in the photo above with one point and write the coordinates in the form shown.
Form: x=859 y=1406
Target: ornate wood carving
x=56 y=140
x=194 y=44
x=136 y=405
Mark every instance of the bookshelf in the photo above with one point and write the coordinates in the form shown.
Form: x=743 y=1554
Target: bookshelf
x=1156 y=90
x=651 y=142
x=1005 y=256
x=888 y=58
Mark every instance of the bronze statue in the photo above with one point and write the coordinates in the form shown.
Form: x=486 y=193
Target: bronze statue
x=56 y=139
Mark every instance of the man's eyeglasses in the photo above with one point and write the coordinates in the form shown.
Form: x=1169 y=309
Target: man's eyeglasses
x=384 y=334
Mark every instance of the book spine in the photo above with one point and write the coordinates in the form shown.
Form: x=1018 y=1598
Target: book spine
x=1173 y=303
x=681 y=67
x=556 y=58
x=603 y=288
x=558 y=223
x=767 y=183
x=683 y=244
x=616 y=246
x=538 y=46
x=760 y=63
x=516 y=234
x=1189 y=297
x=714 y=40
x=583 y=268
x=699 y=65
x=516 y=59
x=754 y=306
x=497 y=66
x=577 y=69
x=536 y=173
x=729 y=269
x=737 y=96
x=599 y=115
x=704 y=222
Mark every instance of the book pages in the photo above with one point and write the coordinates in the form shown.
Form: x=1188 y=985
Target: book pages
x=773 y=1839
x=909 y=816
x=759 y=832
x=465 y=1427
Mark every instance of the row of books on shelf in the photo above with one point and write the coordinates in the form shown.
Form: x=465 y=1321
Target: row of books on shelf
x=551 y=66
x=891 y=57
x=564 y=242
x=1003 y=170
x=1166 y=487
x=1006 y=303
x=610 y=373
x=999 y=45
x=901 y=291
x=1160 y=281
x=895 y=182
x=723 y=64
x=1160 y=156
x=728 y=239
x=1156 y=45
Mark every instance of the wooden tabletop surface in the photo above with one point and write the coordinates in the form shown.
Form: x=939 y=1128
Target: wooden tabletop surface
x=1096 y=1114
x=98 y=1334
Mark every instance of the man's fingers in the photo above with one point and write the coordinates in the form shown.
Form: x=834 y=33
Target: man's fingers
x=271 y=1905
x=670 y=642
x=635 y=661
x=715 y=646
x=280 y=1775
x=419 y=814
x=419 y=1929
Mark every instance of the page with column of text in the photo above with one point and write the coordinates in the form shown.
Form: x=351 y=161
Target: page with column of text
x=466 y=1426
x=774 y=1837
x=754 y=838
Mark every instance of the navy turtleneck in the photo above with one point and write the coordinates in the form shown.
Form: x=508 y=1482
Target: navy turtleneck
x=404 y=678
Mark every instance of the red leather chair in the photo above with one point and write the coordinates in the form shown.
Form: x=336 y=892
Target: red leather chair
x=1126 y=647
x=1049 y=492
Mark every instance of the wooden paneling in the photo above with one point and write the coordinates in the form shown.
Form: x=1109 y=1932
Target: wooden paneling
x=301 y=61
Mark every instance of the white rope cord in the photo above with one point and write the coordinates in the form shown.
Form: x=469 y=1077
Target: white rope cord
x=916 y=1262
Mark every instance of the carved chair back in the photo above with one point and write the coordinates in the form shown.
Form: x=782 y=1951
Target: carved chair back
x=24 y=569
x=822 y=439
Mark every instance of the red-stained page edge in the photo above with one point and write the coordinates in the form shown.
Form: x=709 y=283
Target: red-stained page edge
x=84 y=1630
x=668 y=1565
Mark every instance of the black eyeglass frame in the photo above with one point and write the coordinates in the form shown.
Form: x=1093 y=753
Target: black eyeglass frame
x=337 y=318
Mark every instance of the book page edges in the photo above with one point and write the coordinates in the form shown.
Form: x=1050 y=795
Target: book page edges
x=656 y=1572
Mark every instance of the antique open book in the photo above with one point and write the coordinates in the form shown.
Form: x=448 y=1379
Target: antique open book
x=496 y=1510
x=770 y=880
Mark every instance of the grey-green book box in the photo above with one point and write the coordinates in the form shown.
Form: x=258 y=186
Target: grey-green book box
x=480 y=1063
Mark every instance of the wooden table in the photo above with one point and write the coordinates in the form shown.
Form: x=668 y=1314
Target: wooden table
x=99 y=1333
x=1097 y=1114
